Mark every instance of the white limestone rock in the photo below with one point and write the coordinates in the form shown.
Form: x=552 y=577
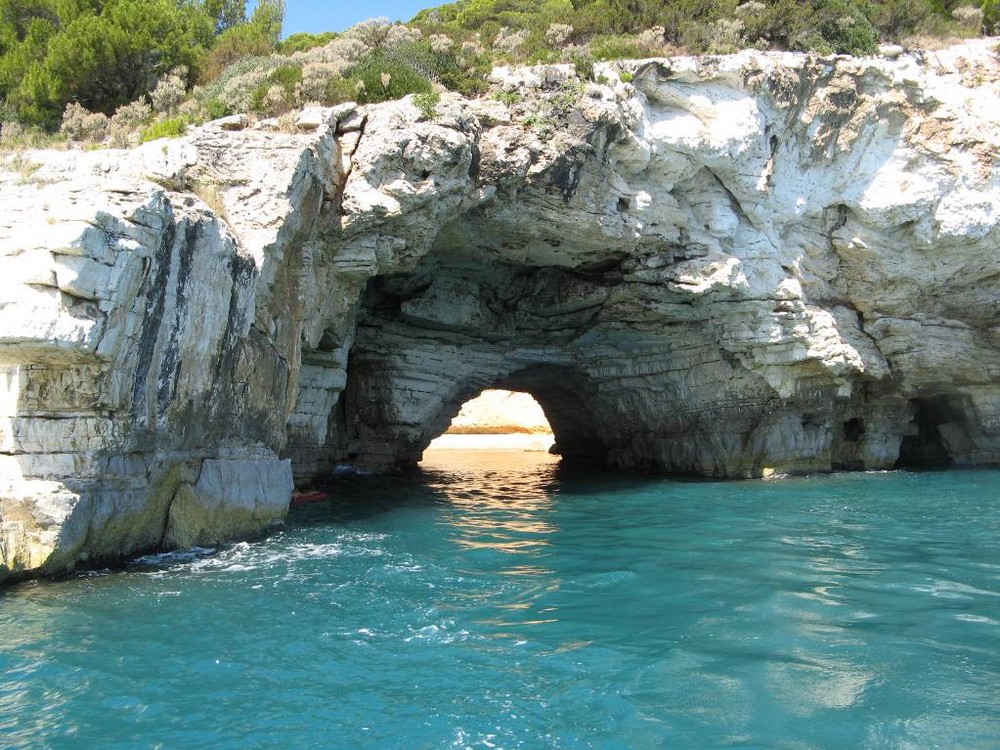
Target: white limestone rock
x=730 y=266
x=232 y=498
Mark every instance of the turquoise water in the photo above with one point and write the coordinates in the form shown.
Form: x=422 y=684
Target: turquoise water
x=503 y=602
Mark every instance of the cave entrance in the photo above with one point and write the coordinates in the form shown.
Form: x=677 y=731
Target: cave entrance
x=939 y=424
x=498 y=419
x=555 y=406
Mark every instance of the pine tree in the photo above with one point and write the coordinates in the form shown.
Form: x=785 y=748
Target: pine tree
x=100 y=53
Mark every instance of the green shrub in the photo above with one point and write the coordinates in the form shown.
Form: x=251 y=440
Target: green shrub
x=937 y=26
x=845 y=28
x=427 y=104
x=286 y=76
x=448 y=70
x=391 y=74
x=172 y=127
x=214 y=109
x=537 y=121
x=509 y=98
x=238 y=85
x=616 y=48
x=991 y=15
x=526 y=14
x=567 y=97
x=236 y=44
x=774 y=23
x=303 y=42
x=339 y=90
x=583 y=64
x=615 y=16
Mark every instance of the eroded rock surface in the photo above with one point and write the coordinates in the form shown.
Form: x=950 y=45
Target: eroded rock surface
x=728 y=266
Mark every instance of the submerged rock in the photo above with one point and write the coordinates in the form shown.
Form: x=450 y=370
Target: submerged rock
x=729 y=266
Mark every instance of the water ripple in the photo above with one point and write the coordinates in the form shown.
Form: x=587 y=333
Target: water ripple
x=523 y=605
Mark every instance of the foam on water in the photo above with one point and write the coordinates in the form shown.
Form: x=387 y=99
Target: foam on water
x=176 y=557
x=511 y=603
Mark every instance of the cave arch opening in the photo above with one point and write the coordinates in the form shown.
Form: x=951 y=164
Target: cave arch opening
x=939 y=431
x=565 y=423
x=497 y=419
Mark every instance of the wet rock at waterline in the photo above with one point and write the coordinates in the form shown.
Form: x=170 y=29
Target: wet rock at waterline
x=728 y=266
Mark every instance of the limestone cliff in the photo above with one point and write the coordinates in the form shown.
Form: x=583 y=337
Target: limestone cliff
x=725 y=266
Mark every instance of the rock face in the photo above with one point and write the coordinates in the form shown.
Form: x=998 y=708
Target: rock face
x=727 y=266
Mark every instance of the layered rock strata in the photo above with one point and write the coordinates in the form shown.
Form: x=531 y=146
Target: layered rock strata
x=725 y=266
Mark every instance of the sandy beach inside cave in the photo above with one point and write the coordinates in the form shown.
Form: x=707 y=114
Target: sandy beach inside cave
x=496 y=421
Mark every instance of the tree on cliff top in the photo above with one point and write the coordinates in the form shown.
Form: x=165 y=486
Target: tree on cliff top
x=226 y=13
x=250 y=38
x=106 y=53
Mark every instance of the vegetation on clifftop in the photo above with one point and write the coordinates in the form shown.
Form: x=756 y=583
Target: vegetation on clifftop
x=102 y=55
x=118 y=71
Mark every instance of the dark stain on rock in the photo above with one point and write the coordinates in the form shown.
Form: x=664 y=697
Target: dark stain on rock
x=155 y=291
x=564 y=176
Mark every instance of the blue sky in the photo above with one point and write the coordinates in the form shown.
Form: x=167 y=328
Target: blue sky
x=332 y=15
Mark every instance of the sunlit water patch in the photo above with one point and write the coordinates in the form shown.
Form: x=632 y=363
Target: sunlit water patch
x=501 y=601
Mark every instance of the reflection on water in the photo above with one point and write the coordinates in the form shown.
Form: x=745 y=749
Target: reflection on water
x=502 y=503
x=498 y=500
x=494 y=602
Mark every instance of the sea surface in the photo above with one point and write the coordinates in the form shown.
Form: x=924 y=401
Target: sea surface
x=505 y=601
